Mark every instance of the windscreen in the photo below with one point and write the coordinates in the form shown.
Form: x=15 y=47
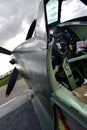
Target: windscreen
x=72 y=9
x=52 y=11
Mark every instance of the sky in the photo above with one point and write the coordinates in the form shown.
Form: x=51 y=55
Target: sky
x=14 y=25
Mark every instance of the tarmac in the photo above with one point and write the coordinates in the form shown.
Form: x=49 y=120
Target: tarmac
x=21 y=118
x=19 y=88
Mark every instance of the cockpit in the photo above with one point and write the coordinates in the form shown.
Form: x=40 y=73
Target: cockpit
x=69 y=49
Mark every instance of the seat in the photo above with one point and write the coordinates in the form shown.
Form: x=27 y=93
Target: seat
x=81 y=93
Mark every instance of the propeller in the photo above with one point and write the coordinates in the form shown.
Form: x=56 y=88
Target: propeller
x=15 y=72
x=84 y=1
x=31 y=29
x=5 y=51
x=12 y=82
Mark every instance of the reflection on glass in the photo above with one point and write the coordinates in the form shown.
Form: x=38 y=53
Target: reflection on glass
x=52 y=11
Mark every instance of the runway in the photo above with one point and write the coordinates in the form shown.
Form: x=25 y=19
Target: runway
x=24 y=110
x=21 y=118
x=19 y=88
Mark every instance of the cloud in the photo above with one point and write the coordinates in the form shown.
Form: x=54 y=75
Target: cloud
x=5 y=66
x=12 y=15
x=15 y=19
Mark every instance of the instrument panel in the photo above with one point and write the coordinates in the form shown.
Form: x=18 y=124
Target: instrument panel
x=64 y=41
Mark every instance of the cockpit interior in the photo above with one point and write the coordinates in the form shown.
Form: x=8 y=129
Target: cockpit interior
x=68 y=45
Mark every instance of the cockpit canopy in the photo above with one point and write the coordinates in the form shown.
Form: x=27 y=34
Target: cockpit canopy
x=64 y=10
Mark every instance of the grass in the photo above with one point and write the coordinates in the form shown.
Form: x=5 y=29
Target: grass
x=5 y=80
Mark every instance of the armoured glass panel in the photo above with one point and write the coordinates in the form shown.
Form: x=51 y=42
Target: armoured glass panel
x=52 y=11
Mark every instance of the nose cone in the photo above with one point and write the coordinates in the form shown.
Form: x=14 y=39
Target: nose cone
x=12 y=61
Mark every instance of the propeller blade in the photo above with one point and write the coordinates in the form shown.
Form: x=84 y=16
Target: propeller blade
x=5 y=51
x=12 y=81
x=84 y=1
x=31 y=29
